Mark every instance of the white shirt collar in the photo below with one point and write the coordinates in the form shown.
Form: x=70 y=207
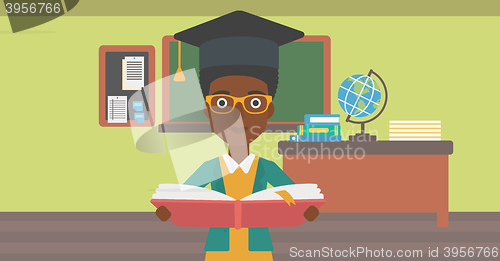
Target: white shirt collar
x=244 y=165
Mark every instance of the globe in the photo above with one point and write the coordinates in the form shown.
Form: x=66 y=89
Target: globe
x=359 y=95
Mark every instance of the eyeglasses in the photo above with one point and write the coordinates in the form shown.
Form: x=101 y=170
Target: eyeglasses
x=253 y=104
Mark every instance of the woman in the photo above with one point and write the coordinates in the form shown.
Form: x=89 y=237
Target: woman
x=239 y=79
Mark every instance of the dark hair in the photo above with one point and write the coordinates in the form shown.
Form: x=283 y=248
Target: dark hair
x=266 y=74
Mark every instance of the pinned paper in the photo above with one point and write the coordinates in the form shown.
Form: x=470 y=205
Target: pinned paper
x=139 y=117
x=132 y=73
x=117 y=109
x=137 y=105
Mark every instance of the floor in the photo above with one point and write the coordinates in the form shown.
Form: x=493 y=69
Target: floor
x=142 y=236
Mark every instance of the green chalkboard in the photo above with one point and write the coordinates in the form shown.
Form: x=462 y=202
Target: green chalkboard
x=300 y=87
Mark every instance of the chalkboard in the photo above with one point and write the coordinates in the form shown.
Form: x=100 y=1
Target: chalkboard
x=303 y=87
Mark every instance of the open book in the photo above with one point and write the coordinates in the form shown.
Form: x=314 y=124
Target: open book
x=282 y=206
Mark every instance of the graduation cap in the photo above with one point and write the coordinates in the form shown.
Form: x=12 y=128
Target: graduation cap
x=239 y=38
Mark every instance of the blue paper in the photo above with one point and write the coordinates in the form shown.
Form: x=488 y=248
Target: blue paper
x=139 y=117
x=137 y=105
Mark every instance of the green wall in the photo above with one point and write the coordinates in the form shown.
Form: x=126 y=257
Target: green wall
x=56 y=157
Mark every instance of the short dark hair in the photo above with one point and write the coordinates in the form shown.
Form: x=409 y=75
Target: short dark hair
x=266 y=74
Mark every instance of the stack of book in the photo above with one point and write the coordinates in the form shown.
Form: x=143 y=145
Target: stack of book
x=318 y=128
x=415 y=130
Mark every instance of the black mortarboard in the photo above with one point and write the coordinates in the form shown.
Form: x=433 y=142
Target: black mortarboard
x=239 y=38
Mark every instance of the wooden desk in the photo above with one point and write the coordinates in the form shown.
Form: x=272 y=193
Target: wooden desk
x=374 y=177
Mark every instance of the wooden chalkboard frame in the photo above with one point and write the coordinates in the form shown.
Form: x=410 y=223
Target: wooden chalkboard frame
x=168 y=126
x=102 y=83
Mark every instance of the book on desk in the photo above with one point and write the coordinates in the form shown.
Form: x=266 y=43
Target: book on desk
x=318 y=128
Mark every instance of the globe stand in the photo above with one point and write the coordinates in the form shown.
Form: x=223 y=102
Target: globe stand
x=366 y=137
x=362 y=137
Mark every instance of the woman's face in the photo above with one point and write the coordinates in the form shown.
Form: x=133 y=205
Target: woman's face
x=248 y=125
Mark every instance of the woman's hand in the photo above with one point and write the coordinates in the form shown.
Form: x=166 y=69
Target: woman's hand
x=163 y=214
x=311 y=213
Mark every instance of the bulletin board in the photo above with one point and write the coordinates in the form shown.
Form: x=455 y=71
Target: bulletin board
x=111 y=82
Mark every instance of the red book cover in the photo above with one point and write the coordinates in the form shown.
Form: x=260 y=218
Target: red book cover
x=237 y=213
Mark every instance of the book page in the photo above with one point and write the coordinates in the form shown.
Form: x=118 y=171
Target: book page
x=297 y=191
x=188 y=192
